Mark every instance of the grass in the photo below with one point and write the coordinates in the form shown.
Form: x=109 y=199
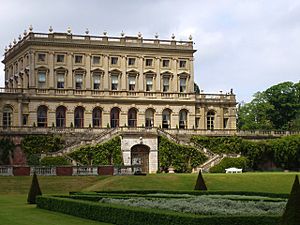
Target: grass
x=15 y=211
x=13 y=191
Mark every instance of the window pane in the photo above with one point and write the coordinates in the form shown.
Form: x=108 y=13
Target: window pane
x=96 y=59
x=42 y=76
x=60 y=58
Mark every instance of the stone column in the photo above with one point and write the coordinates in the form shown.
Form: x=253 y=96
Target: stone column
x=123 y=85
x=174 y=84
x=32 y=78
x=88 y=72
x=20 y=112
x=70 y=71
x=141 y=74
x=191 y=78
x=106 y=85
x=202 y=124
x=51 y=70
x=157 y=67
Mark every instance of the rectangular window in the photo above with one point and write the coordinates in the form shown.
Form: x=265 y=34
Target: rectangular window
x=60 y=58
x=182 y=84
x=78 y=81
x=60 y=80
x=149 y=83
x=131 y=61
x=42 y=79
x=96 y=81
x=78 y=58
x=96 y=60
x=165 y=63
x=182 y=63
x=114 y=60
x=41 y=57
x=149 y=62
x=114 y=83
x=131 y=81
x=25 y=119
x=165 y=84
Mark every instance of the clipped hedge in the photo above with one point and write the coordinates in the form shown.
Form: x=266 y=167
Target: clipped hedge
x=54 y=161
x=241 y=162
x=124 y=215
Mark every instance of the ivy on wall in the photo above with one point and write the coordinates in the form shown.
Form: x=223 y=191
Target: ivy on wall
x=108 y=153
x=284 y=152
x=182 y=158
x=54 y=161
x=241 y=163
x=6 y=146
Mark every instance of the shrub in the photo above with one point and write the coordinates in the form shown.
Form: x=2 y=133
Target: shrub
x=125 y=215
x=54 y=161
x=241 y=162
x=200 y=184
x=6 y=146
x=34 y=190
x=291 y=215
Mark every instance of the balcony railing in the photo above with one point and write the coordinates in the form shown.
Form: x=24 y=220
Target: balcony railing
x=128 y=41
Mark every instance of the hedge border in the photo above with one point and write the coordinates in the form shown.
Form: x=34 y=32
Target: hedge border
x=125 y=215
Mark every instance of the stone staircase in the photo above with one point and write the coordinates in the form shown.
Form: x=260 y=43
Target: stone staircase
x=213 y=159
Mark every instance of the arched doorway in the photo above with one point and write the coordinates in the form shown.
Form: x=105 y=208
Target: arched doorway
x=149 y=118
x=166 y=119
x=42 y=112
x=97 y=117
x=140 y=158
x=210 y=120
x=183 y=119
x=61 y=116
x=79 y=117
x=132 y=117
x=114 y=117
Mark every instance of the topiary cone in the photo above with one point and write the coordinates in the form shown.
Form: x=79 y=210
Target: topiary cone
x=291 y=215
x=200 y=184
x=34 y=190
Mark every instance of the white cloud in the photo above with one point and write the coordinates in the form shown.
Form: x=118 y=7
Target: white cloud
x=246 y=45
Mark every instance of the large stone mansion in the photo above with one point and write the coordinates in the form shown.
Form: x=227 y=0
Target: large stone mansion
x=100 y=86
x=65 y=80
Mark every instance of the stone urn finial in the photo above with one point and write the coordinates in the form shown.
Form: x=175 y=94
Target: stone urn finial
x=25 y=33
x=190 y=37
x=30 y=28
x=156 y=35
x=173 y=36
x=122 y=34
x=69 y=30
x=50 y=29
x=87 y=31
x=105 y=33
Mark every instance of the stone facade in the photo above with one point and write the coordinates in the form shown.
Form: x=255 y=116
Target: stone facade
x=63 y=80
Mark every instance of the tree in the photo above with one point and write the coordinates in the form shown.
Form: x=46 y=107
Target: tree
x=34 y=190
x=200 y=184
x=278 y=107
x=291 y=215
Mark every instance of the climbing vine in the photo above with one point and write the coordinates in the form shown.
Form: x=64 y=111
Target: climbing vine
x=108 y=153
x=182 y=158
x=6 y=146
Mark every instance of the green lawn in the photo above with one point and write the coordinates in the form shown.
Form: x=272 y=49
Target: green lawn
x=15 y=211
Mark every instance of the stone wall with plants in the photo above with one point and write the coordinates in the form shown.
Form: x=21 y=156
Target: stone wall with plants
x=108 y=153
x=182 y=158
x=283 y=153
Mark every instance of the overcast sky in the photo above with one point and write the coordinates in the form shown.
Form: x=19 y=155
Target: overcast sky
x=247 y=45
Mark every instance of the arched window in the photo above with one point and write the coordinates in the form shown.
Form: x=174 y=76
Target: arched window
x=166 y=118
x=7 y=116
x=114 y=117
x=210 y=120
x=149 y=118
x=61 y=116
x=97 y=118
x=183 y=119
x=132 y=117
x=42 y=116
x=79 y=117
